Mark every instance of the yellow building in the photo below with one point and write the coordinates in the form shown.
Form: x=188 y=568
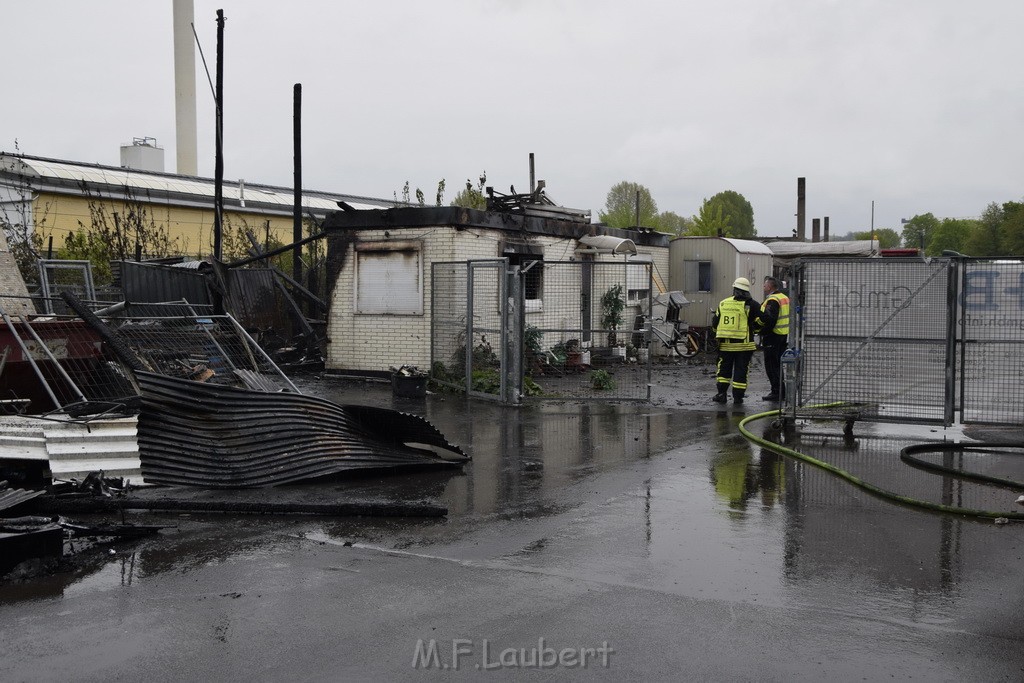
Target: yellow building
x=158 y=214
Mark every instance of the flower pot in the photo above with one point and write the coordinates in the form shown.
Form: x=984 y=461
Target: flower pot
x=409 y=386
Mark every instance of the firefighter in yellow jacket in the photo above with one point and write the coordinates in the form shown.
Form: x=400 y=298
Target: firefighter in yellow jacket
x=773 y=324
x=734 y=324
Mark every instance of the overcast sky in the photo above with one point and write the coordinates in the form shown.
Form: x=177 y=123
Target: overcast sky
x=916 y=105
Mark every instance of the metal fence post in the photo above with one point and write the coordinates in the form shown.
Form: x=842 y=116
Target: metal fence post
x=952 y=306
x=470 y=273
x=514 y=325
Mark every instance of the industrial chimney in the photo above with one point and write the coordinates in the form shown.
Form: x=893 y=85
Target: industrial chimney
x=185 y=89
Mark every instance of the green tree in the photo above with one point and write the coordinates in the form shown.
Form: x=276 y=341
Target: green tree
x=88 y=245
x=951 y=234
x=1011 y=237
x=887 y=237
x=984 y=237
x=917 y=232
x=672 y=223
x=473 y=197
x=620 y=206
x=711 y=221
x=738 y=212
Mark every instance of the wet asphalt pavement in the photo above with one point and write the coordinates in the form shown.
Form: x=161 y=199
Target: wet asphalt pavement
x=650 y=541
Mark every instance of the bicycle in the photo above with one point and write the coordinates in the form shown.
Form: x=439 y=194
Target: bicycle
x=684 y=340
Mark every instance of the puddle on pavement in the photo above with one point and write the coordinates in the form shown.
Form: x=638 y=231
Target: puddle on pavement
x=625 y=493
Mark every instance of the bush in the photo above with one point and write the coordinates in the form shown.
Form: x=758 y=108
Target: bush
x=601 y=380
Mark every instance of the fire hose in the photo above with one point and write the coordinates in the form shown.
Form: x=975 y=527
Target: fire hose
x=907 y=455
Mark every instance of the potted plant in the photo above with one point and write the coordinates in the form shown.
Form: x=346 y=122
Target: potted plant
x=612 y=305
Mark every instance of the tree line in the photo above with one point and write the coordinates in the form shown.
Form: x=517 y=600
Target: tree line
x=728 y=213
x=999 y=231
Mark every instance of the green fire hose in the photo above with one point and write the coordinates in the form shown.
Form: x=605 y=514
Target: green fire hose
x=907 y=455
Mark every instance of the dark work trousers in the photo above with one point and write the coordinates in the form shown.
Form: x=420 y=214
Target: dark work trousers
x=732 y=367
x=774 y=346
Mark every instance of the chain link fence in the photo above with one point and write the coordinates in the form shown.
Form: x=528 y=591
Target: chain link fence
x=542 y=330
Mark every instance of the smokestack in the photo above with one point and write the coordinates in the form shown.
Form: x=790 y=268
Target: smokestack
x=816 y=230
x=185 y=142
x=825 y=230
x=801 y=215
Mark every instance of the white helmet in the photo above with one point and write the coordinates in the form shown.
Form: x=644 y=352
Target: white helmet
x=741 y=283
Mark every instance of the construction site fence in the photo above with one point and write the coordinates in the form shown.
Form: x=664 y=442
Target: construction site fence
x=936 y=340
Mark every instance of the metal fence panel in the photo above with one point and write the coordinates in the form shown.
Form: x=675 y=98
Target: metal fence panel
x=448 y=306
x=991 y=342
x=486 y=352
x=874 y=333
x=578 y=344
x=539 y=330
x=469 y=323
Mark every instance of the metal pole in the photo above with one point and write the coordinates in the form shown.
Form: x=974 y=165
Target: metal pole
x=962 y=282
x=469 y=328
x=952 y=308
x=273 y=252
x=518 y=298
x=647 y=335
x=250 y=342
x=801 y=211
x=297 y=209
x=218 y=172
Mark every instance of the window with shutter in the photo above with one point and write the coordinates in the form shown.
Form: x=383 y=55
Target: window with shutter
x=638 y=278
x=389 y=278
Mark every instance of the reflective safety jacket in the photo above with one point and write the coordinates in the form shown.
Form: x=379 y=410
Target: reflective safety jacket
x=734 y=324
x=779 y=323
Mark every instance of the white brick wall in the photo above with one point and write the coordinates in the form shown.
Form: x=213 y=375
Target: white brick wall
x=378 y=342
x=11 y=283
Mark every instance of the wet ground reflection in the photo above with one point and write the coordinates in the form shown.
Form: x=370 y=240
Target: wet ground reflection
x=625 y=495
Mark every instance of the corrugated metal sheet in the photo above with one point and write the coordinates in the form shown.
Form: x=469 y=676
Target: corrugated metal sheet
x=110 y=445
x=196 y=434
x=146 y=283
x=253 y=299
x=71 y=449
x=11 y=497
x=198 y=188
x=864 y=248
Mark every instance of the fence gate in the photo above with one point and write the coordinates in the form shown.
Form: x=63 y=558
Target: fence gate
x=541 y=330
x=990 y=334
x=908 y=340
x=471 y=316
